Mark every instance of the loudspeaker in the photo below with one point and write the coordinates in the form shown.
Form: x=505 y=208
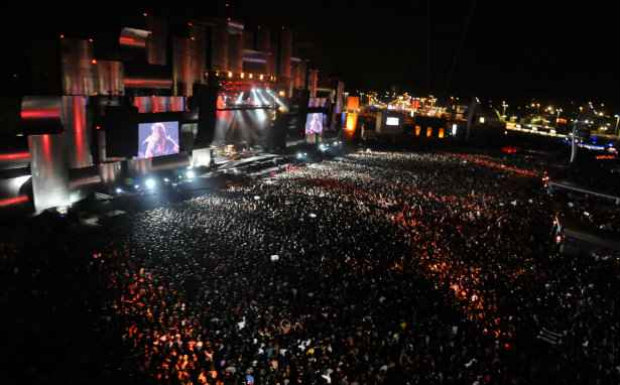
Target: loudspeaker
x=205 y=101
x=121 y=128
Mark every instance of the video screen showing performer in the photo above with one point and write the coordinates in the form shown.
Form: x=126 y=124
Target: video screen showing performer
x=314 y=123
x=158 y=139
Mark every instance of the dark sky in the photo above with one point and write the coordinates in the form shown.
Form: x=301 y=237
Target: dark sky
x=546 y=49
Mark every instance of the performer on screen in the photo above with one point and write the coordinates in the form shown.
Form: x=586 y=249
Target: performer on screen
x=315 y=126
x=159 y=143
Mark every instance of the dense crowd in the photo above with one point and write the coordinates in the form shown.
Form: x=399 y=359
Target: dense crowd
x=50 y=300
x=373 y=268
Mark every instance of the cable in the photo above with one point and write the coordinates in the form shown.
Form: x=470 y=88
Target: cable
x=461 y=44
x=428 y=45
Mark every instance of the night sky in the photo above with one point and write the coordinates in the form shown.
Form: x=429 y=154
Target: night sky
x=518 y=49
x=513 y=49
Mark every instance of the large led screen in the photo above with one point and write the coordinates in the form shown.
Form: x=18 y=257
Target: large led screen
x=158 y=139
x=314 y=123
x=392 y=121
x=242 y=127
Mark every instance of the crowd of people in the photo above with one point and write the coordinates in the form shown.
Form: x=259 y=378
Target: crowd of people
x=51 y=306
x=372 y=268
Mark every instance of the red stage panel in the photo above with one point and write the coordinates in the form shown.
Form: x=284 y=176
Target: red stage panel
x=14 y=201
x=147 y=83
x=131 y=41
x=48 y=113
x=15 y=156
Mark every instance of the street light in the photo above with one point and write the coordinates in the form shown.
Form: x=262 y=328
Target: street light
x=617 y=121
x=573 y=152
x=504 y=105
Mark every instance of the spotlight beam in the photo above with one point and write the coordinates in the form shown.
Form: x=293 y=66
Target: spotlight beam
x=259 y=96
x=239 y=98
x=277 y=99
